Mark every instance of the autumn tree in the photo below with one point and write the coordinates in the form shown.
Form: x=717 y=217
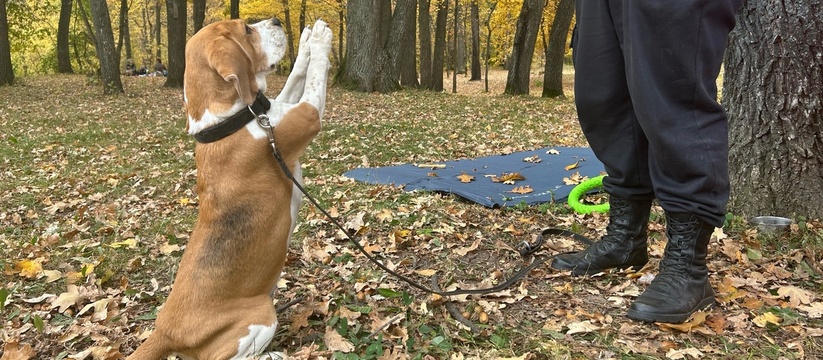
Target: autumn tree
x=63 y=53
x=556 y=49
x=106 y=52
x=528 y=25
x=773 y=94
x=176 y=20
x=492 y=7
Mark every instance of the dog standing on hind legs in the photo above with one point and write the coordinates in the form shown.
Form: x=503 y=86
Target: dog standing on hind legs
x=220 y=306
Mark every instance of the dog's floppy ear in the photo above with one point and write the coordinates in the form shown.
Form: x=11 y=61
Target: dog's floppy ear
x=234 y=64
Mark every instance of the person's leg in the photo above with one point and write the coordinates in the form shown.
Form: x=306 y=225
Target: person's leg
x=610 y=125
x=673 y=51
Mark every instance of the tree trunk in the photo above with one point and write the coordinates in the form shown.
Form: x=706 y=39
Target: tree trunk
x=439 y=46
x=456 y=59
x=157 y=34
x=489 y=40
x=106 y=52
x=556 y=51
x=234 y=9
x=6 y=70
x=63 y=25
x=341 y=14
x=198 y=16
x=367 y=66
x=424 y=24
x=404 y=27
x=123 y=37
x=289 y=35
x=773 y=94
x=176 y=18
x=302 y=17
x=528 y=25
x=475 y=20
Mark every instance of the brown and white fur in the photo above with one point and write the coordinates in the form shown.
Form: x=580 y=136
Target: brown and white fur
x=220 y=306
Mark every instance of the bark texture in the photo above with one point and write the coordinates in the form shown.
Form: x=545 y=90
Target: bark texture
x=773 y=88
x=556 y=51
x=367 y=66
x=106 y=50
x=176 y=18
x=63 y=54
x=528 y=25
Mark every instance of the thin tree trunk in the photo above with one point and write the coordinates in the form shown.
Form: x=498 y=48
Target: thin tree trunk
x=106 y=52
x=63 y=54
x=456 y=57
x=341 y=29
x=289 y=35
x=302 y=17
x=234 y=9
x=528 y=25
x=176 y=19
x=773 y=94
x=157 y=34
x=556 y=51
x=6 y=69
x=424 y=25
x=439 y=46
x=475 y=21
x=489 y=40
x=198 y=16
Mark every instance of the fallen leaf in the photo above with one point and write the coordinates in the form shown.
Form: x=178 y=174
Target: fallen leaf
x=465 y=250
x=508 y=178
x=682 y=353
x=695 y=320
x=426 y=272
x=13 y=351
x=522 y=189
x=766 y=318
x=29 y=268
x=168 y=249
x=815 y=310
x=465 y=178
x=67 y=299
x=553 y=152
x=336 y=342
x=572 y=166
x=128 y=244
x=532 y=159
x=796 y=295
x=581 y=327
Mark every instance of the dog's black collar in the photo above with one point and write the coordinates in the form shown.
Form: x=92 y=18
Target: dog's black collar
x=236 y=122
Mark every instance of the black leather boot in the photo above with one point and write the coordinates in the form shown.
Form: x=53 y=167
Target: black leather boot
x=623 y=246
x=682 y=286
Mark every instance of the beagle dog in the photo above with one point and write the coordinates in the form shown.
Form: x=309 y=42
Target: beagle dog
x=220 y=306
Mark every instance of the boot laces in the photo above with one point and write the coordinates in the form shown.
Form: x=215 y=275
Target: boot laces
x=675 y=266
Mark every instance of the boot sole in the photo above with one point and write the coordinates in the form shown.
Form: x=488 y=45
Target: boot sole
x=706 y=303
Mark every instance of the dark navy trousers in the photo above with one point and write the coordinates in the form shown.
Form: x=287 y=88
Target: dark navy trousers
x=646 y=95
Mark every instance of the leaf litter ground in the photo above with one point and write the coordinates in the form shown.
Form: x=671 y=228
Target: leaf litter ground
x=98 y=200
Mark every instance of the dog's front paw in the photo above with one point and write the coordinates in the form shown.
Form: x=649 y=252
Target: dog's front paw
x=303 y=52
x=320 y=40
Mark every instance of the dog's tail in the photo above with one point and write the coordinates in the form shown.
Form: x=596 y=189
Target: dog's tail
x=151 y=349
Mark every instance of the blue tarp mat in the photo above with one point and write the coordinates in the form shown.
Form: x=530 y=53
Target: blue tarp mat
x=544 y=177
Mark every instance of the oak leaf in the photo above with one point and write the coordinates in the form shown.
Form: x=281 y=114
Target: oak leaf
x=13 y=351
x=465 y=178
x=522 y=189
x=796 y=295
x=336 y=342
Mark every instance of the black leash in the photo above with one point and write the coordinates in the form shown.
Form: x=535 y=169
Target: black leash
x=525 y=251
